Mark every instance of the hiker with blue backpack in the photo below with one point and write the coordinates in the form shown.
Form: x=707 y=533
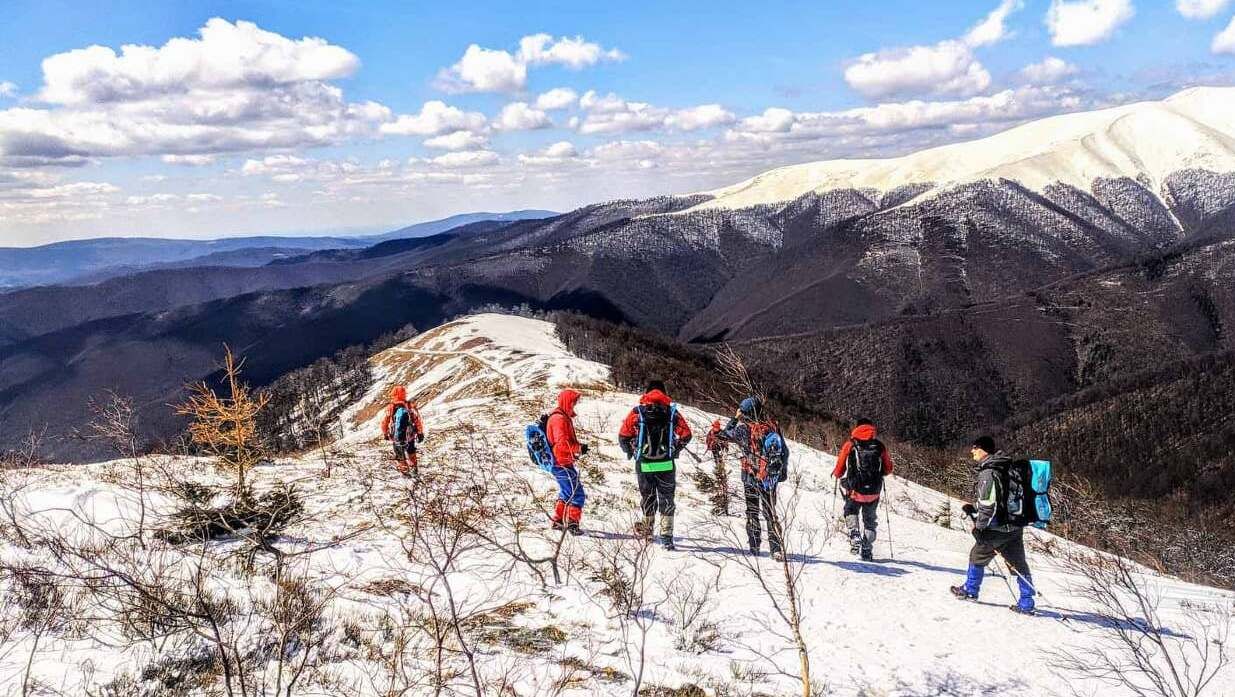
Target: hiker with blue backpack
x=765 y=464
x=653 y=434
x=1010 y=494
x=403 y=427
x=861 y=465
x=559 y=433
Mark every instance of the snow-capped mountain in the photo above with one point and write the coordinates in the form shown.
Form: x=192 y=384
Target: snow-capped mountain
x=1147 y=142
x=702 y=617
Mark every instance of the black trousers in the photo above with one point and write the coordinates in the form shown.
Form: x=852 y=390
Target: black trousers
x=757 y=501
x=656 y=490
x=1009 y=545
x=404 y=450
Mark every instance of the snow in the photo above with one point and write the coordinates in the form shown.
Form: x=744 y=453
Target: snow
x=888 y=627
x=1194 y=129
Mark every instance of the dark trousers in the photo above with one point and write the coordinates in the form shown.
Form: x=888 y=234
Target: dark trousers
x=759 y=500
x=869 y=515
x=720 y=499
x=1009 y=545
x=656 y=491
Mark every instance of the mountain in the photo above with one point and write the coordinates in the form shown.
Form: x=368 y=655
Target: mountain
x=390 y=587
x=84 y=262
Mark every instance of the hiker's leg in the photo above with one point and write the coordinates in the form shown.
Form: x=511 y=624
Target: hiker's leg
x=851 y=521
x=647 y=501
x=1013 y=552
x=768 y=500
x=666 y=487
x=722 y=483
x=870 y=523
x=750 y=494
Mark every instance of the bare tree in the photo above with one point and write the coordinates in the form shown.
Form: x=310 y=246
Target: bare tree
x=622 y=567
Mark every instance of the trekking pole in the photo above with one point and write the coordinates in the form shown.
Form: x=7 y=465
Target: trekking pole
x=835 y=484
x=887 y=516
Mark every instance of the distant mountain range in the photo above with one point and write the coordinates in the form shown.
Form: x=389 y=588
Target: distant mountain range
x=961 y=288
x=91 y=261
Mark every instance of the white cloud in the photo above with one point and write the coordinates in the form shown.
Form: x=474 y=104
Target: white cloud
x=945 y=68
x=518 y=116
x=991 y=29
x=555 y=154
x=459 y=160
x=1200 y=9
x=496 y=70
x=459 y=140
x=189 y=160
x=1086 y=22
x=7 y=89
x=1224 y=42
x=226 y=56
x=557 y=98
x=1047 y=71
x=703 y=116
x=435 y=118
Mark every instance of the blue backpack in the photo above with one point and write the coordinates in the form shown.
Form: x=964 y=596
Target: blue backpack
x=1026 y=496
x=538 y=446
x=402 y=423
x=1040 y=482
x=776 y=449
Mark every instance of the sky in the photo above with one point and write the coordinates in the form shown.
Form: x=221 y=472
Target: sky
x=210 y=119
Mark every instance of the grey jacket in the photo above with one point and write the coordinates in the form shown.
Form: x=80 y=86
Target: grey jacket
x=989 y=494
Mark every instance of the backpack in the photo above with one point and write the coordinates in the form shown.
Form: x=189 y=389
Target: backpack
x=538 y=447
x=402 y=423
x=864 y=471
x=1025 y=496
x=769 y=445
x=656 y=442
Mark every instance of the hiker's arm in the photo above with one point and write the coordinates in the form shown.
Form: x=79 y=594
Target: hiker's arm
x=627 y=433
x=988 y=495
x=841 y=458
x=887 y=461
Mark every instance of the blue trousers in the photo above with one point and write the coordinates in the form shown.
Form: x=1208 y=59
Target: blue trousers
x=570 y=489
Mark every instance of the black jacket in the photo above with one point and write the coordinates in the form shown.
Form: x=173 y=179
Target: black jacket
x=989 y=495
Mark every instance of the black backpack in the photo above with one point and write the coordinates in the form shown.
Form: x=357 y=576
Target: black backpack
x=864 y=471
x=1016 y=494
x=656 y=435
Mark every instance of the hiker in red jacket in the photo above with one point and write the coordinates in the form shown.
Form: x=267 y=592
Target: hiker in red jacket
x=560 y=432
x=718 y=446
x=404 y=429
x=654 y=434
x=861 y=465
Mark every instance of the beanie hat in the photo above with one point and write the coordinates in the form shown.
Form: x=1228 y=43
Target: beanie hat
x=750 y=407
x=655 y=385
x=985 y=443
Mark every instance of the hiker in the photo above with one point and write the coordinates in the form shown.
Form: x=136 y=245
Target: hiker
x=764 y=466
x=654 y=434
x=718 y=446
x=404 y=429
x=861 y=465
x=560 y=432
x=993 y=530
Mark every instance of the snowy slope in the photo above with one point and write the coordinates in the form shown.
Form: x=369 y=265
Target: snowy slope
x=886 y=628
x=1194 y=129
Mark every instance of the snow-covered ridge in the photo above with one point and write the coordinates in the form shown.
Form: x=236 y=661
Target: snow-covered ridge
x=1146 y=141
x=888 y=627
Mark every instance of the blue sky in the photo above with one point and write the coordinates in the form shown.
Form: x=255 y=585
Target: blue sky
x=371 y=115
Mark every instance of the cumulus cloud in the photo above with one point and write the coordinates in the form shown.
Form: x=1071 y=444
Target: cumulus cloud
x=1086 y=22
x=1200 y=9
x=555 y=154
x=519 y=116
x=1224 y=42
x=460 y=160
x=7 y=89
x=1047 y=71
x=496 y=70
x=703 y=116
x=557 y=98
x=435 y=118
x=189 y=160
x=609 y=113
x=236 y=87
x=945 y=68
x=459 y=140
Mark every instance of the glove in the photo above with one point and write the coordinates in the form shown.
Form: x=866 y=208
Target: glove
x=420 y=437
x=969 y=510
x=768 y=484
x=583 y=448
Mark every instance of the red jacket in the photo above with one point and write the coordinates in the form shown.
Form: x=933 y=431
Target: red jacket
x=398 y=398
x=561 y=429
x=842 y=460
x=630 y=426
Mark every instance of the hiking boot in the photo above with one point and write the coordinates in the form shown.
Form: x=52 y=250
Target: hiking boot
x=778 y=556
x=643 y=529
x=855 y=544
x=573 y=529
x=754 y=550
x=558 y=525
x=666 y=541
x=867 y=554
x=962 y=593
x=1022 y=611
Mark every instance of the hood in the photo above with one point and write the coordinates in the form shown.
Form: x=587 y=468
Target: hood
x=863 y=432
x=655 y=397
x=566 y=401
x=996 y=459
x=398 y=394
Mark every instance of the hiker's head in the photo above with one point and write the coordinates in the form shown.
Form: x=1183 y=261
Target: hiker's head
x=982 y=447
x=657 y=385
x=398 y=394
x=750 y=408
